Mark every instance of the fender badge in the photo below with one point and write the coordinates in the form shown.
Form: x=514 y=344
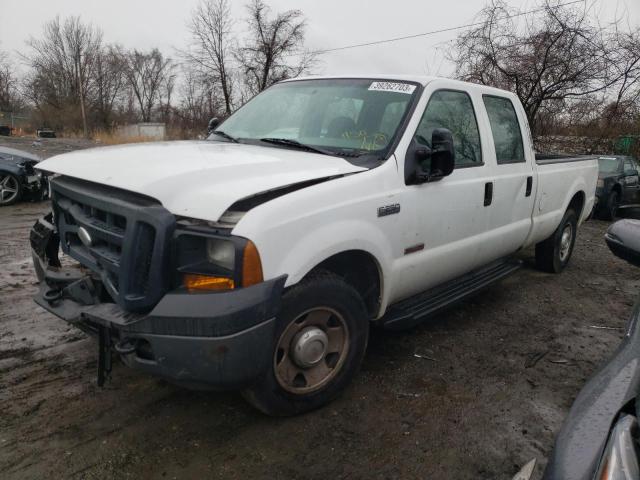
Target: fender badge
x=84 y=237
x=388 y=210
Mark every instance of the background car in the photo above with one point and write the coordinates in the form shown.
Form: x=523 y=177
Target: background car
x=18 y=178
x=618 y=185
x=5 y=130
x=45 y=133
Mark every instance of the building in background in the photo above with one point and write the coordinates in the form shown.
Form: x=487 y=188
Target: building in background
x=151 y=131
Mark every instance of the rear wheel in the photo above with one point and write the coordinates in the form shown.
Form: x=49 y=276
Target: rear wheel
x=321 y=337
x=10 y=189
x=554 y=253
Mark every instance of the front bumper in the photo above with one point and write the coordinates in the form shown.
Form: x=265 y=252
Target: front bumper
x=206 y=340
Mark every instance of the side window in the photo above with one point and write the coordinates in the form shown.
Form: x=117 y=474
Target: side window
x=628 y=165
x=505 y=128
x=453 y=110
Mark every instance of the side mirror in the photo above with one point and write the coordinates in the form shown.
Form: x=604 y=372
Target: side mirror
x=435 y=162
x=213 y=124
x=623 y=239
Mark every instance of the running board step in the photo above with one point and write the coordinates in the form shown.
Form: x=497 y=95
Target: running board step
x=413 y=310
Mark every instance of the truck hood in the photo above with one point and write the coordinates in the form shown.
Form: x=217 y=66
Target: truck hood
x=197 y=179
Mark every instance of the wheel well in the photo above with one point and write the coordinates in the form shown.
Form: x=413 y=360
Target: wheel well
x=359 y=269
x=577 y=203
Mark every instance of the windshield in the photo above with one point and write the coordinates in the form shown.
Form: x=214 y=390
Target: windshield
x=351 y=117
x=608 y=165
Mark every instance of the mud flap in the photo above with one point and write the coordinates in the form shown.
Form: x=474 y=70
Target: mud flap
x=104 y=355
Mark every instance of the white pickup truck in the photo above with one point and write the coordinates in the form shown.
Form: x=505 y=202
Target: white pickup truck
x=259 y=258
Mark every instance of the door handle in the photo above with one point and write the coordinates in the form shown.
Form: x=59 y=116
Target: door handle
x=529 y=186
x=488 y=193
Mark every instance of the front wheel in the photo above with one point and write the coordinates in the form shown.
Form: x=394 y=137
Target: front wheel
x=554 y=253
x=321 y=337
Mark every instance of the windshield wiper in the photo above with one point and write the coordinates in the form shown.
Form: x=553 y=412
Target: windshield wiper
x=297 y=144
x=225 y=135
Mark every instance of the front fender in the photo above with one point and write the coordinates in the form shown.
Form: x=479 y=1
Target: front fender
x=331 y=239
x=13 y=169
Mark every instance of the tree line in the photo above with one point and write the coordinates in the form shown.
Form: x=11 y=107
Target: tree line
x=573 y=75
x=77 y=82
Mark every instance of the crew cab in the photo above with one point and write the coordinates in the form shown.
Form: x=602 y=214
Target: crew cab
x=258 y=259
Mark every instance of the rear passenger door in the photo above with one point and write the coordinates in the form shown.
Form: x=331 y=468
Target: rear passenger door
x=513 y=177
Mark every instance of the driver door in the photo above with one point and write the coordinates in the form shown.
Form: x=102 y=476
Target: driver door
x=449 y=217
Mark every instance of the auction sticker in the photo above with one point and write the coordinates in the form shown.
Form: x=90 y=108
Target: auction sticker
x=397 y=87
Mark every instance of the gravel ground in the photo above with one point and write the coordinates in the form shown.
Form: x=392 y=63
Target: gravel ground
x=473 y=394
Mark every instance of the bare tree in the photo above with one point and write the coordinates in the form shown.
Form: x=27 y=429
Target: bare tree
x=268 y=54
x=62 y=63
x=107 y=84
x=555 y=60
x=200 y=100
x=10 y=98
x=146 y=74
x=166 y=92
x=625 y=65
x=211 y=45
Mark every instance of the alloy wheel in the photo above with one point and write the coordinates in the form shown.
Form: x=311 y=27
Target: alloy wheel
x=8 y=189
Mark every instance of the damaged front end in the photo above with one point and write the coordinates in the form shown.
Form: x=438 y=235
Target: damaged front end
x=122 y=289
x=67 y=292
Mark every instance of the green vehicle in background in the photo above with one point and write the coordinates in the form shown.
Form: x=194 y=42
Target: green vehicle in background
x=627 y=144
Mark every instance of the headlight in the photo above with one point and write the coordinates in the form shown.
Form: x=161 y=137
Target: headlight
x=620 y=459
x=600 y=183
x=222 y=253
x=207 y=260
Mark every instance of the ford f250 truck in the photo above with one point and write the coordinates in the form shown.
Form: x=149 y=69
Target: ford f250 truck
x=259 y=258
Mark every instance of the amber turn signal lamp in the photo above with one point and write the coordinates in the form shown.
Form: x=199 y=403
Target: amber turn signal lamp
x=206 y=282
x=251 y=265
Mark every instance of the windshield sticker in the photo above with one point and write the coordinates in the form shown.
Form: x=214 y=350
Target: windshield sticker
x=393 y=87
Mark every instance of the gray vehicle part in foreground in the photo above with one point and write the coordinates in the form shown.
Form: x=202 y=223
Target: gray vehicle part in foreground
x=612 y=391
x=580 y=444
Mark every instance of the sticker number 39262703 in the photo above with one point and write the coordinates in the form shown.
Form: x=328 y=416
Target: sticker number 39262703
x=397 y=87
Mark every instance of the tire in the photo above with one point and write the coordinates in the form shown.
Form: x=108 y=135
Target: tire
x=10 y=189
x=611 y=208
x=323 y=302
x=554 y=253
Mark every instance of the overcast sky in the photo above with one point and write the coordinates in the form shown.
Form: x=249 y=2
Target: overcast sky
x=144 y=24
